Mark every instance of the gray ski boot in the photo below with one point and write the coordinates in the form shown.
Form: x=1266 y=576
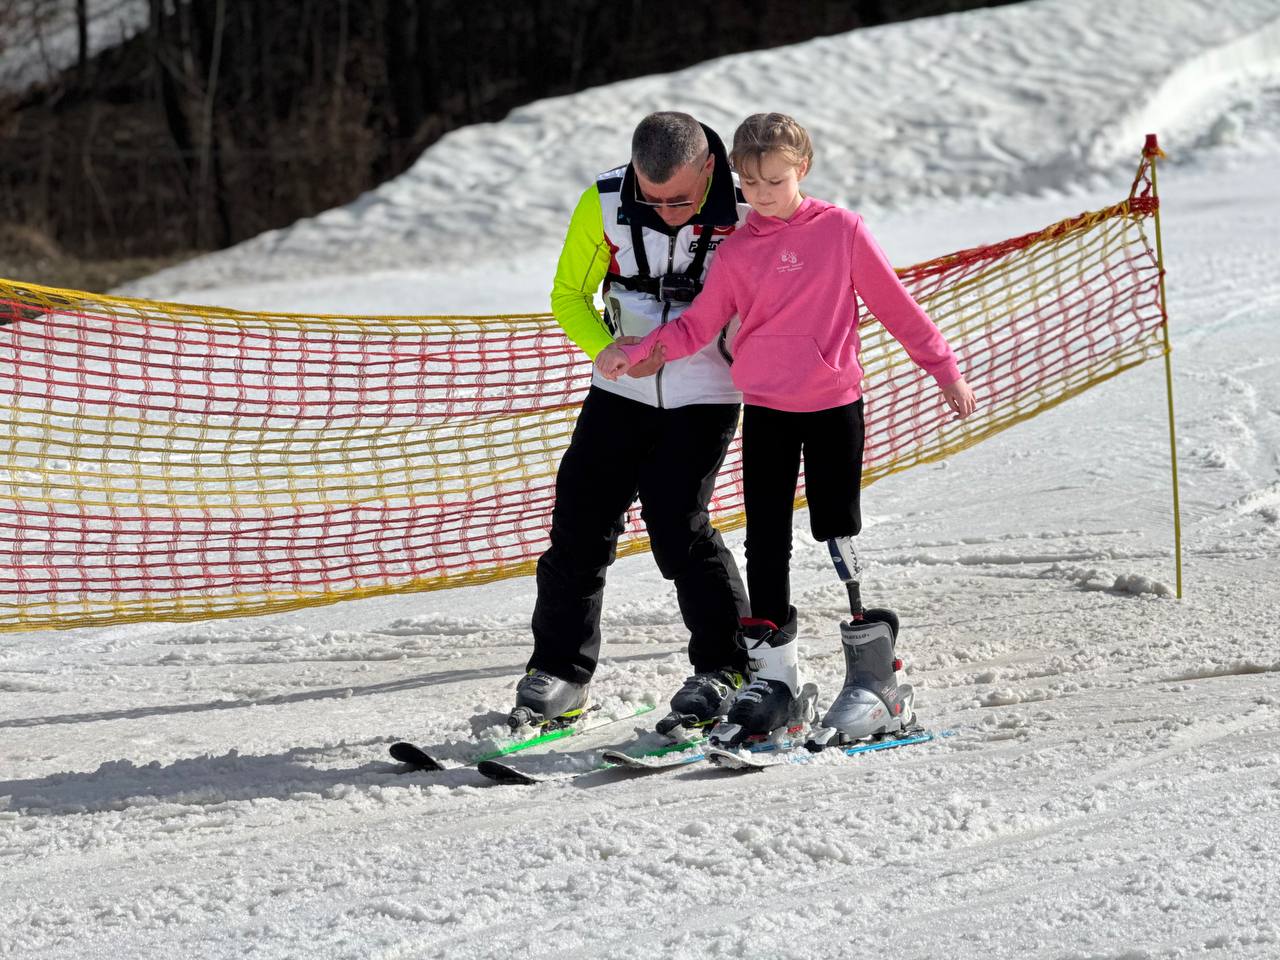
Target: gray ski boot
x=545 y=700
x=872 y=704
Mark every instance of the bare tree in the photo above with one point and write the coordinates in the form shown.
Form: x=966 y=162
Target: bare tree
x=203 y=193
x=82 y=43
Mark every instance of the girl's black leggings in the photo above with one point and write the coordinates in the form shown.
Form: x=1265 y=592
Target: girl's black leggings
x=773 y=442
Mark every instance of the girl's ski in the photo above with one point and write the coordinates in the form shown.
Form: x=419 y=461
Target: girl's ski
x=755 y=760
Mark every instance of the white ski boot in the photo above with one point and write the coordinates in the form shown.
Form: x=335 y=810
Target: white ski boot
x=774 y=699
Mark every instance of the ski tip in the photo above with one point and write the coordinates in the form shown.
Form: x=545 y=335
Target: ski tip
x=502 y=773
x=414 y=756
x=735 y=760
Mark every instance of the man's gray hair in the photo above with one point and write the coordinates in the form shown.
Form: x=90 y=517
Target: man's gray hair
x=666 y=141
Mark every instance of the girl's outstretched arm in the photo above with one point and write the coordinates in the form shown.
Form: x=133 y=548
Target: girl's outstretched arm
x=698 y=325
x=880 y=289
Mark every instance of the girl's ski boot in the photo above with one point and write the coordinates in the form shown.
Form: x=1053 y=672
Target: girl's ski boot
x=774 y=699
x=872 y=704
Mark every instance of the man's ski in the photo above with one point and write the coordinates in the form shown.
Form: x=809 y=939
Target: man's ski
x=414 y=756
x=663 y=757
x=758 y=760
x=500 y=772
x=418 y=759
x=669 y=756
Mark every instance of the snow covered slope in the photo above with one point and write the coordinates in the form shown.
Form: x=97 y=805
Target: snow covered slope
x=1112 y=787
x=1033 y=98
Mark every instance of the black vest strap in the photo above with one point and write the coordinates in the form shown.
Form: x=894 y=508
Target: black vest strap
x=653 y=286
x=647 y=285
x=638 y=250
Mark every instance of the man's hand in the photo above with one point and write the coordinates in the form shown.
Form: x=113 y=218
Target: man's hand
x=611 y=362
x=960 y=398
x=650 y=364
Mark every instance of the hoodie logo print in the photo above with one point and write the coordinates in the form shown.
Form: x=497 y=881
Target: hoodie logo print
x=790 y=262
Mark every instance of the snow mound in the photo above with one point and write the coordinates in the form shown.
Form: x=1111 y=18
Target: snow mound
x=1095 y=578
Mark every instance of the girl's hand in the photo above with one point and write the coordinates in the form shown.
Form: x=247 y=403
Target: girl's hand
x=612 y=362
x=959 y=397
x=650 y=364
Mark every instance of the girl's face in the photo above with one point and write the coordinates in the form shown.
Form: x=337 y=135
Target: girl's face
x=772 y=186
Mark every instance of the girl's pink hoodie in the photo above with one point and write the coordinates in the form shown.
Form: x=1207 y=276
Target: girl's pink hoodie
x=793 y=284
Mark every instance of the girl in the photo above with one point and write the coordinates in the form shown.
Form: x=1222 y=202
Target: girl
x=793 y=276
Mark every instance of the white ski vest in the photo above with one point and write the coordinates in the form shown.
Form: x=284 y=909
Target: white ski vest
x=703 y=377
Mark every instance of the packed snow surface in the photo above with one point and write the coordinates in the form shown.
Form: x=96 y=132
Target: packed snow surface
x=1110 y=787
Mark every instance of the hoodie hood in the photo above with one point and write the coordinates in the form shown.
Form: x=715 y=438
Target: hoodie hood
x=810 y=209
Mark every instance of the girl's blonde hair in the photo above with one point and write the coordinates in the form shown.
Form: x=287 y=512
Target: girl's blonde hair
x=763 y=133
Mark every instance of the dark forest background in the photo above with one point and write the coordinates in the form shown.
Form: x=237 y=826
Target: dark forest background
x=225 y=118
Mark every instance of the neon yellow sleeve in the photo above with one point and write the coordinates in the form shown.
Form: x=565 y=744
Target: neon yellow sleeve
x=584 y=261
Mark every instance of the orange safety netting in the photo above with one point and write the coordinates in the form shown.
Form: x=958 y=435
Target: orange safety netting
x=161 y=461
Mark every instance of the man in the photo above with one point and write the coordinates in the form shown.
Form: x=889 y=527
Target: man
x=647 y=232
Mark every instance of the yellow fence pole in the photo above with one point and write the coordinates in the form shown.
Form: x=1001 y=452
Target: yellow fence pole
x=1152 y=151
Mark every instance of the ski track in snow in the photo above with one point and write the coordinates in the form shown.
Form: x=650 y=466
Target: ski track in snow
x=1112 y=785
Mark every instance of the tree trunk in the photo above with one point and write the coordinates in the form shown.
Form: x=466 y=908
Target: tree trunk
x=82 y=40
x=206 y=200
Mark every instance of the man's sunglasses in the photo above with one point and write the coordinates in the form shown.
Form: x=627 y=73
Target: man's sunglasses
x=657 y=204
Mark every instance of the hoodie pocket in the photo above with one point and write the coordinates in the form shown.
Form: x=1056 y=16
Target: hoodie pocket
x=780 y=367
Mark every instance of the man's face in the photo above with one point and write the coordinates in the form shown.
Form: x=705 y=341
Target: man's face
x=678 y=199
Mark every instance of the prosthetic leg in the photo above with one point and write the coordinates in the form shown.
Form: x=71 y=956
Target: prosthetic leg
x=872 y=704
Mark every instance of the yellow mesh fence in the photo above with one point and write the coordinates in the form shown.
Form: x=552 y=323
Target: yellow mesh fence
x=161 y=461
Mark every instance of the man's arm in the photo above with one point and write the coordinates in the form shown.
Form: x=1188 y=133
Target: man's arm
x=584 y=261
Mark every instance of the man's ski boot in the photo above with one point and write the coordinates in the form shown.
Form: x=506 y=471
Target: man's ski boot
x=700 y=703
x=774 y=699
x=544 y=700
x=872 y=704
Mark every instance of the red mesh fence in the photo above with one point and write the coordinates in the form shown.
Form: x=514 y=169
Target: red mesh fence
x=164 y=461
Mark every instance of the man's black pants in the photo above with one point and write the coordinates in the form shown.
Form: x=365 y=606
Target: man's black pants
x=772 y=443
x=622 y=448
